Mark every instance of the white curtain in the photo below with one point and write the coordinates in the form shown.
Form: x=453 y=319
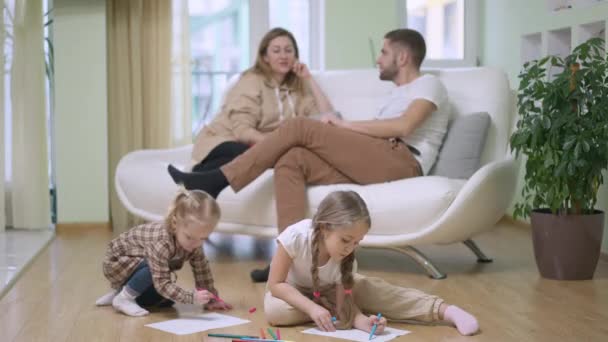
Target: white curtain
x=2 y=158
x=28 y=187
x=181 y=89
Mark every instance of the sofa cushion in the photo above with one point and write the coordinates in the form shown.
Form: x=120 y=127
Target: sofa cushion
x=460 y=153
x=403 y=206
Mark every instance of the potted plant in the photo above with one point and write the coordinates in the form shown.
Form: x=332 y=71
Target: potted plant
x=563 y=132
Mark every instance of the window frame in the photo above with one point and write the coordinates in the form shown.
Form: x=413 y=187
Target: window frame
x=471 y=36
x=259 y=24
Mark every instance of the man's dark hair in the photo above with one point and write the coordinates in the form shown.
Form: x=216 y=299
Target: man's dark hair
x=411 y=40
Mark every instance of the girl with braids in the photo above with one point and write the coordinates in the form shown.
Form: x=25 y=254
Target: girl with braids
x=313 y=277
x=140 y=262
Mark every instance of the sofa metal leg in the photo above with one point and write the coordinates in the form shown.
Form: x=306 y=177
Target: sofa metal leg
x=481 y=257
x=420 y=259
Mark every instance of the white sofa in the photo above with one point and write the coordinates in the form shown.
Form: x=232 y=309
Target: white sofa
x=404 y=213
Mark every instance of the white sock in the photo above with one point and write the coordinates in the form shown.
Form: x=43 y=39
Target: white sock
x=106 y=299
x=125 y=303
x=464 y=321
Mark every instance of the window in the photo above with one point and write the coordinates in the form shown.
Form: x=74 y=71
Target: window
x=219 y=45
x=224 y=36
x=295 y=16
x=449 y=28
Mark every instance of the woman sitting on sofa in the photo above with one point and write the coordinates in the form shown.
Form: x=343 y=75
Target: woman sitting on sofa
x=277 y=87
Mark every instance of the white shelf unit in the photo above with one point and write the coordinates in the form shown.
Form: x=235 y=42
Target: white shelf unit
x=559 y=43
x=591 y=30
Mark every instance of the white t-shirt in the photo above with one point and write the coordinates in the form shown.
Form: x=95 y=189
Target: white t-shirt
x=428 y=137
x=297 y=239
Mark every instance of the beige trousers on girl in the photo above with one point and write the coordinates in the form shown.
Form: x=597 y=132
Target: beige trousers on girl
x=372 y=295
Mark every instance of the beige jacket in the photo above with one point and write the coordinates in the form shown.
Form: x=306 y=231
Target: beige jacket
x=252 y=105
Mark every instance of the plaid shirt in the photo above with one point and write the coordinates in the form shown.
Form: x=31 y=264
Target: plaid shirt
x=154 y=243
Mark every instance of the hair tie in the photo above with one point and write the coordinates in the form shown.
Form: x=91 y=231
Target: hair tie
x=348 y=291
x=317 y=294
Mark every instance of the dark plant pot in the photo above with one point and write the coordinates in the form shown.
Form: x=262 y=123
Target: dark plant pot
x=567 y=247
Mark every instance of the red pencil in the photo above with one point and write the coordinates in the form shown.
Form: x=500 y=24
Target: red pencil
x=278 y=334
x=212 y=294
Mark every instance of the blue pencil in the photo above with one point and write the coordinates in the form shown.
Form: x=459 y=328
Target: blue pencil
x=231 y=336
x=371 y=334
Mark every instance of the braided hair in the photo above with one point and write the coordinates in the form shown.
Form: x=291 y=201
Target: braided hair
x=340 y=209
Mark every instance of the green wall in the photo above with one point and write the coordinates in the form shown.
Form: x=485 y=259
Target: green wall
x=348 y=26
x=81 y=134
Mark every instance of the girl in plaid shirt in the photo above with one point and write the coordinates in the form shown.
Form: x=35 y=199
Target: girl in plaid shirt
x=139 y=263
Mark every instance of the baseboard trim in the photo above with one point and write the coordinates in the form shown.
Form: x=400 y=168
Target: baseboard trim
x=69 y=227
x=516 y=222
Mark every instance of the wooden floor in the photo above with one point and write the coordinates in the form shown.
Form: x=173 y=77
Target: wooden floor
x=54 y=299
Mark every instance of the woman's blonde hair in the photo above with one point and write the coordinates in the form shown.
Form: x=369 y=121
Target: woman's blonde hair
x=340 y=209
x=194 y=206
x=261 y=67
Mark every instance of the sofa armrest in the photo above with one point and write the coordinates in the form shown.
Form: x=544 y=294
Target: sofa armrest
x=480 y=203
x=142 y=183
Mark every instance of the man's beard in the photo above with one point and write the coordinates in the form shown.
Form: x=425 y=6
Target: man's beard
x=389 y=73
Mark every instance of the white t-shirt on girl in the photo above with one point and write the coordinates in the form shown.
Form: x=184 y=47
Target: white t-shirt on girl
x=297 y=241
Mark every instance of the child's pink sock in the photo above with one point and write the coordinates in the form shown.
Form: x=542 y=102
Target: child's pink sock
x=464 y=321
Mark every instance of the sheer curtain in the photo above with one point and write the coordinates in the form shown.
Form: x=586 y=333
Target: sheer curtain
x=147 y=102
x=26 y=189
x=181 y=84
x=2 y=114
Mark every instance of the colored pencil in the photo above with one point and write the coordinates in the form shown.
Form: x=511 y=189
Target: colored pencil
x=371 y=334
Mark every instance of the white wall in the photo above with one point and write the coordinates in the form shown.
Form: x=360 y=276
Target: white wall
x=81 y=111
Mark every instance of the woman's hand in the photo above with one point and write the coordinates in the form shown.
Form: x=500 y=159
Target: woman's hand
x=333 y=119
x=218 y=305
x=322 y=318
x=301 y=70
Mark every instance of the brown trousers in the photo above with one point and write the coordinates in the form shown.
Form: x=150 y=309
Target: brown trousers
x=372 y=295
x=308 y=152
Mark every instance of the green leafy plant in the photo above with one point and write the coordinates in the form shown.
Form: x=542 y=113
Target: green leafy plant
x=563 y=130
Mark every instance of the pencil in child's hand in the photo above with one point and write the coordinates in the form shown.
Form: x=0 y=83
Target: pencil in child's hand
x=212 y=294
x=371 y=334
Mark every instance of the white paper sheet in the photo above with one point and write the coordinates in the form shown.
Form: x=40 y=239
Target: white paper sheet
x=197 y=323
x=359 y=335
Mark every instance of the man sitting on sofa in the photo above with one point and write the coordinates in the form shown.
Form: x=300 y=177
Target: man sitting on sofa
x=402 y=142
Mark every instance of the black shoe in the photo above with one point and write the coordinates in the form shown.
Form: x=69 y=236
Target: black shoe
x=260 y=276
